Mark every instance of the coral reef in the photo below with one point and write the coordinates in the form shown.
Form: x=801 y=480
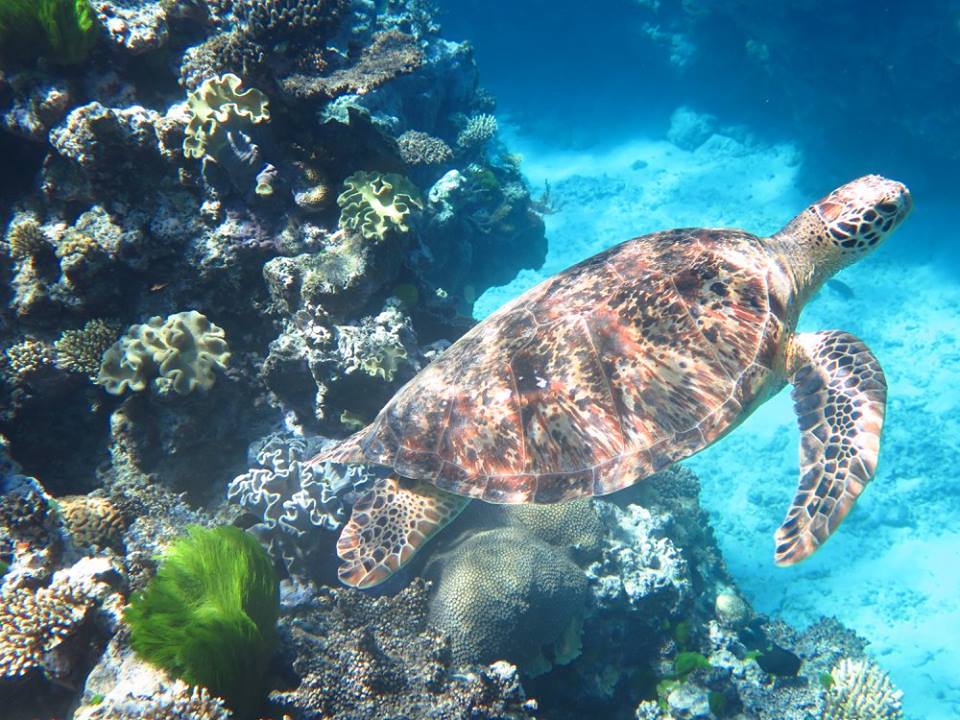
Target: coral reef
x=26 y=238
x=82 y=350
x=178 y=702
x=477 y=130
x=176 y=354
x=92 y=521
x=217 y=109
x=209 y=615
x=358 y=656
x=419 y=148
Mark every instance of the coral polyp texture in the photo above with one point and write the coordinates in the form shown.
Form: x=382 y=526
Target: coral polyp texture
x=34 y=624
x=82 y=350
x=420 y=148
x=172 y=355
x=373 y=204
x=859 y=690
x=209 y=615
x=217 y=108
x=26 y=238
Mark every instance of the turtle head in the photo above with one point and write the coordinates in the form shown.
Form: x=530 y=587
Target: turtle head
x=858 y=216
x=841 y=228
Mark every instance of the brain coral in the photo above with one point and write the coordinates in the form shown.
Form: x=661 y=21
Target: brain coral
x=177 y=354
x=215 y=108
x=569 y=524
x=373 y=203
x=503 y=594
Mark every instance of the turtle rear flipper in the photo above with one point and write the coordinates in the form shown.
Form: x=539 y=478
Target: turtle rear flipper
x=839 y=395
x=389 y=524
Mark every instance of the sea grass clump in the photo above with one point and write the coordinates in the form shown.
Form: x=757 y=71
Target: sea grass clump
x=209 y=615
x=60 y=31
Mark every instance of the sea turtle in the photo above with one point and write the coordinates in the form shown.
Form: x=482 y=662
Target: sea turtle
x=625 y=363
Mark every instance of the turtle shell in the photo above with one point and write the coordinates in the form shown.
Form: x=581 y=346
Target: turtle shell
x=595 y=378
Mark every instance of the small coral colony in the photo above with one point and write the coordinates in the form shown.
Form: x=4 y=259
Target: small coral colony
x=234 y=228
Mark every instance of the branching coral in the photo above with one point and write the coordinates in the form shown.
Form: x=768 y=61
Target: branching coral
x=175 y=354
x=478 y=130
x=62 y=31
x=373 y=203
x=33 y=625
x=26 y=238
x=82 y=350
x=419 y=148
x=209 y=615
x=28 y=356
x=860 y=690
x=217 y=108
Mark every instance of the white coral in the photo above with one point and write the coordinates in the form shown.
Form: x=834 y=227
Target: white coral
x=861 y=691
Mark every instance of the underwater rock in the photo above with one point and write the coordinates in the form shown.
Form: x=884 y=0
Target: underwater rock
x=134 y=26
x=504 y=594
x=36 y=105
x=177 y=700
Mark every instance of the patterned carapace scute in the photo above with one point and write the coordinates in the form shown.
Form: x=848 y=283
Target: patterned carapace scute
x=289 y=495
x=596 y=378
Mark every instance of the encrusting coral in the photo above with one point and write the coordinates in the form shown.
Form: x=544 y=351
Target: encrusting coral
x=175 y=354
x=209 y=615
x=92 y=521
x=859 y=690
x=373 y=203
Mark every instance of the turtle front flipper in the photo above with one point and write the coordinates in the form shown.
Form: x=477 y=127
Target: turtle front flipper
x=389 y=524
x=839 y=395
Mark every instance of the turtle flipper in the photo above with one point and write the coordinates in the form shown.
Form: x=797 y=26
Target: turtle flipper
x=389 y=524
x=839 y=395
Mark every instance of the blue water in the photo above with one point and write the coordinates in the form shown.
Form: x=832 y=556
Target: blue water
x=780 y=105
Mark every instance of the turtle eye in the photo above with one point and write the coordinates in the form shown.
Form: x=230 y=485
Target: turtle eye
x=887 y=208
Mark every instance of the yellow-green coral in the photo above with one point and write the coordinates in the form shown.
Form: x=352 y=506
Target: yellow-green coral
x=215 y=106
x=176 y=354
x=26 y=238
x=373 y=203
x=81 y=350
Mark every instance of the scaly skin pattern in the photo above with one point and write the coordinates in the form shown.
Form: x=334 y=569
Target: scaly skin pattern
x=598 y=377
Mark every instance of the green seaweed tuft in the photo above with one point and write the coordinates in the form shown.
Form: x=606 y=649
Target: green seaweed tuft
x=686 y=662
x=62 y=31
x=209 y=615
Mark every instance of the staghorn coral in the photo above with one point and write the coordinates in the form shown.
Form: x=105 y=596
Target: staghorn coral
x=179 y=701
x=478 y=130
x=363 y=657
x=209 y=615
x=26 y=238
x=92 y=521
x=28 y=357
x=419 y=148
x=504 y=594
x=390 y=54
x=373 y=204
x=82 y=350
x=175 y=354
x=861 y=691
x=218 y=108
x=34 y=624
